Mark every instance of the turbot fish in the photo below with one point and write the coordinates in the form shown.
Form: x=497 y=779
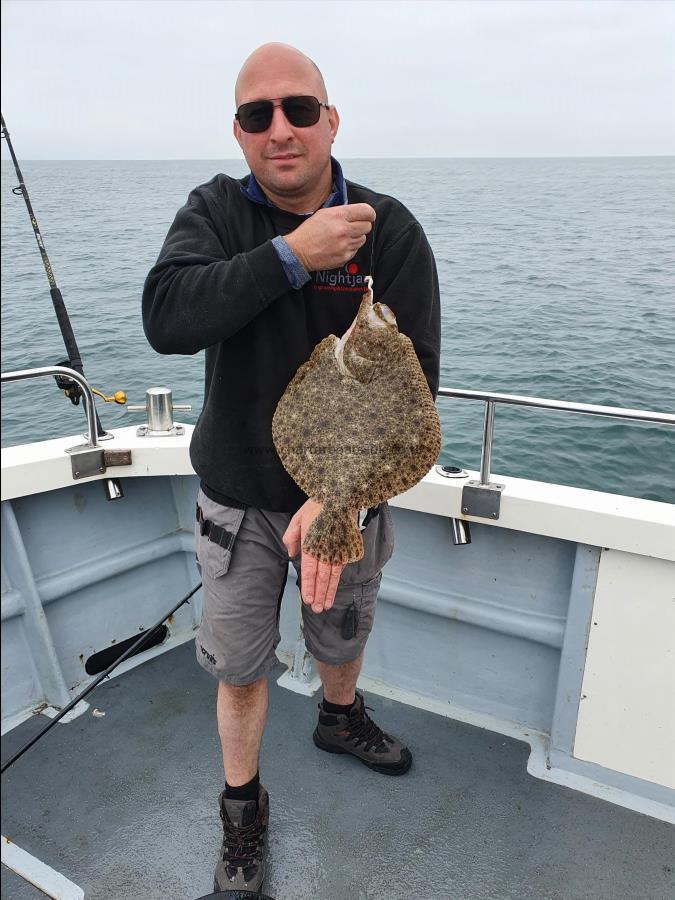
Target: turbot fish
x=357 y=425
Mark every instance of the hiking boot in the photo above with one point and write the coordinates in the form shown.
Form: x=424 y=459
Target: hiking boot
x=241 y=865
x=359 y=735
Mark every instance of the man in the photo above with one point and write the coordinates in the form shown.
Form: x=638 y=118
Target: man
x=257 y=271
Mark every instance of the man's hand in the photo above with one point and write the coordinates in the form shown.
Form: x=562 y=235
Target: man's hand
x=332 y=236
x=319 y=580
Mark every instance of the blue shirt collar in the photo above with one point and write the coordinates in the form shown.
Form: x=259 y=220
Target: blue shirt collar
x=338 y=197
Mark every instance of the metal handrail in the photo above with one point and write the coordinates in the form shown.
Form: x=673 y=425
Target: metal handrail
x=588 y=409
x=487 y=397
x=90 y=409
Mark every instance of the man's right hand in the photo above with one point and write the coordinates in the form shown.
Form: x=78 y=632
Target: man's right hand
x=332 y=236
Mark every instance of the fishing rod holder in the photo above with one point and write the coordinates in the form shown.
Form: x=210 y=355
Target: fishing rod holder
x=460 y=529
x=159 y=409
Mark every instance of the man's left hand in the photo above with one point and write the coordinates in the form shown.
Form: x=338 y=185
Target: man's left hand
x=319 y=580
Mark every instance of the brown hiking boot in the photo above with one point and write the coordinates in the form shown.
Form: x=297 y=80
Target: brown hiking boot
x=241 y=865
x=359 y=735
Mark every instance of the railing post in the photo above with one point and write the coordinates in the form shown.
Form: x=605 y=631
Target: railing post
x=482 y=498
x=87 y=396
x=85 y=459
x=486 y=448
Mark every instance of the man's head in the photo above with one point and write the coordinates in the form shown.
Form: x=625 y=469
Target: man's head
x=291 y=163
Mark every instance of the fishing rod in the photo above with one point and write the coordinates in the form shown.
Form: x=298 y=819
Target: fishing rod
x=134 y=648
x=74 y=361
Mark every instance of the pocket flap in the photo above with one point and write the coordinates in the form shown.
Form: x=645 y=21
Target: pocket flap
x=215 y=542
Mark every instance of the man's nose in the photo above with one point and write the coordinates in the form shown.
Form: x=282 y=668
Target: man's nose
x=280 y=130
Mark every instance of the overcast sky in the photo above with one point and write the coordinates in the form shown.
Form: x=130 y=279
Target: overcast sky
x=153 y=79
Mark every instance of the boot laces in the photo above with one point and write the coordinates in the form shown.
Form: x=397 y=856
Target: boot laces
x=365 y=731
x=241 y=845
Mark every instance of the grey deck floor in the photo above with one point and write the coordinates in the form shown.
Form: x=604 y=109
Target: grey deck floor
x=126 y=806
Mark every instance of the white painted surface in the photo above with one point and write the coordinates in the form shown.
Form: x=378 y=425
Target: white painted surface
x=306 y=688
x=79 y=709
x=48 y=880
x=555 y=510
x=45 y=466
x=627 y=712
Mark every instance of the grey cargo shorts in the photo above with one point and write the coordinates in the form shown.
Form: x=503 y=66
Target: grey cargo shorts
x=243 y=587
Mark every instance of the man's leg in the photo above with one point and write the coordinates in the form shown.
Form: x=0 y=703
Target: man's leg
x=345 y=726
x=339 y=682
x=235 y=644
x=244 y=804
x=241 y=720
x=341 y=633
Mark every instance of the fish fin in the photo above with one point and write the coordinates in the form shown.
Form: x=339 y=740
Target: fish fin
x=352 y=365
x=334 y=537
x=359 y=367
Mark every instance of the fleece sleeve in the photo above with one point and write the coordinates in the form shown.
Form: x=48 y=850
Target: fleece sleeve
x=196 y=295
x=406 y=280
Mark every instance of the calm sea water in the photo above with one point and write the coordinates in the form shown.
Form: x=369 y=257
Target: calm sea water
x=557 y=280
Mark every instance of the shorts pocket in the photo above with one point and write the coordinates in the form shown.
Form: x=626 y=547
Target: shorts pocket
x=339 y=634
x=378 y=546
x=369 y=594
x=214 y=552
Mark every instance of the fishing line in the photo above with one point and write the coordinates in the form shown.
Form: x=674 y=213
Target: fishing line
x=74 y=360
x=143 y=639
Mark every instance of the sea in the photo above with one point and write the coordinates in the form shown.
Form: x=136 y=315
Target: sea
x=557 y=280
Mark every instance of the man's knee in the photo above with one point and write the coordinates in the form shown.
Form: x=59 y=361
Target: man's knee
x=239 y=696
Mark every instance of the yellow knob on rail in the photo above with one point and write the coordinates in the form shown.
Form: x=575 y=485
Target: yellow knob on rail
x=118 y=397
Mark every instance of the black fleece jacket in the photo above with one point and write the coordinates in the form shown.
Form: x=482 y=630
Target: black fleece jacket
x=218 y=285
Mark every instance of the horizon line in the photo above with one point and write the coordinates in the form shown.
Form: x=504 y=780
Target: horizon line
x=220 y=159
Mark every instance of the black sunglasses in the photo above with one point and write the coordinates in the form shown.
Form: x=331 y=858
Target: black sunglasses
x=301 y=112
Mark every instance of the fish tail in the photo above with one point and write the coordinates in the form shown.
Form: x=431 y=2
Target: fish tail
x=334 y=537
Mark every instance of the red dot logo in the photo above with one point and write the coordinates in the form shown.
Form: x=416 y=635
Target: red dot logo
x=352 y=268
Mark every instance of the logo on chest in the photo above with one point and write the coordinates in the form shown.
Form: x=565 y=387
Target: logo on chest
x=348 y=279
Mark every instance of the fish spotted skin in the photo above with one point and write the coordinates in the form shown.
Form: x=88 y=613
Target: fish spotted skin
x=357 y=425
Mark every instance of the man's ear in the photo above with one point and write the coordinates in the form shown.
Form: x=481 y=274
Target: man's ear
x=333 y=121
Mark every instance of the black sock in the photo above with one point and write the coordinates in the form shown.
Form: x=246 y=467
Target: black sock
x=337 y=710
x=248 y=791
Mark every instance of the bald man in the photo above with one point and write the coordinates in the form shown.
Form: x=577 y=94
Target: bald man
x=256 y=271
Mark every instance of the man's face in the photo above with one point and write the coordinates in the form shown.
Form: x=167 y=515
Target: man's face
x=287 y=161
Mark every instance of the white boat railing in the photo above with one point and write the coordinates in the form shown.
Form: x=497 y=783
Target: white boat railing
x=589 y=409
x=81 y=381
x=489 y=398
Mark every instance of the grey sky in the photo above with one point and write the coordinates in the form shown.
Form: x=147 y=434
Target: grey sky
x=153 y=79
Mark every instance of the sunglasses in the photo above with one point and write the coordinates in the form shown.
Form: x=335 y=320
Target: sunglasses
x=301 y=112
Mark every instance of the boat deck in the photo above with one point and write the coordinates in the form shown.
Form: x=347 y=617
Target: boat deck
x=125 y=805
